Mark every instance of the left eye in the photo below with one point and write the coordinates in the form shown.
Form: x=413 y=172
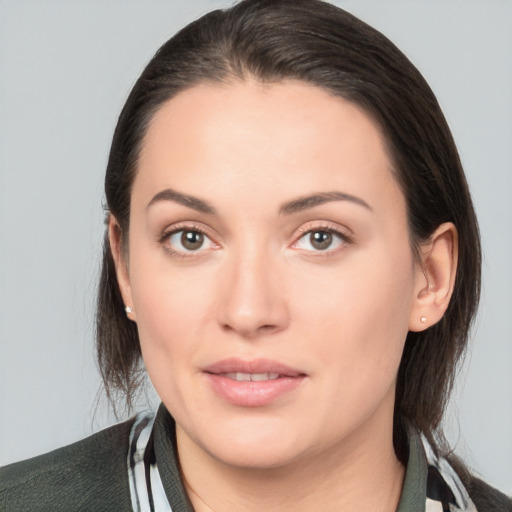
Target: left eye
x=189 y=241
x=319 y=240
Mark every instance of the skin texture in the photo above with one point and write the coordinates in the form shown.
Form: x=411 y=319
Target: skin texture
x=260 y=288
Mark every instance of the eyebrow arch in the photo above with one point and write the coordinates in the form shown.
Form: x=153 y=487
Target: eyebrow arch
x=184 y=199
x=306 y=202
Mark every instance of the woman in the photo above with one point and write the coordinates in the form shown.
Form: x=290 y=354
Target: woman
x=292 y=249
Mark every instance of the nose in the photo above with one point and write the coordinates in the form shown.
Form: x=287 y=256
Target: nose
x=253 y=299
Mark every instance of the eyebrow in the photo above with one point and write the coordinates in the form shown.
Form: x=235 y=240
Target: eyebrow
x=306 y=202
x=294 y=206
x=184 y=199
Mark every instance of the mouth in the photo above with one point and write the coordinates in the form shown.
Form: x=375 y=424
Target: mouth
x=246 y=377
x=255 y=383
x=255 y=369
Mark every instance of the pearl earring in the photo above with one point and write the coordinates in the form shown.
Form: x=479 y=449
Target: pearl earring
x=128 y=309
x=423 y=319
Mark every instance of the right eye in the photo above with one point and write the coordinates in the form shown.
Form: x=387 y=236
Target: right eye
x=188 y=241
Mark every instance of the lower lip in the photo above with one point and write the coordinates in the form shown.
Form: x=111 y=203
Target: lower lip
x=252 y=393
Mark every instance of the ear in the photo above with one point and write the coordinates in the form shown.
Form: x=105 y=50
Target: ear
x=120 y=261
x=435 y=278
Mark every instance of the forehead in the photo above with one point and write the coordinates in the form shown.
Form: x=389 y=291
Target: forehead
x=248 y=134
x=303 y=107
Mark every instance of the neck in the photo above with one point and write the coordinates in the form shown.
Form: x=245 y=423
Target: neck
x=360 y=474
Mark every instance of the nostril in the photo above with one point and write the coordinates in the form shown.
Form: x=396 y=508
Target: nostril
x=250 y=331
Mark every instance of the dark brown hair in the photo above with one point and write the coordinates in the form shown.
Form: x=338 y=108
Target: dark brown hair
x=320 y=44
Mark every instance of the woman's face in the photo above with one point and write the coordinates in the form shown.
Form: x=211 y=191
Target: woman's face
x=270 y=271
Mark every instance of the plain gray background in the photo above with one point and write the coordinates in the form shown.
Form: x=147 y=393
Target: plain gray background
x=66 y=68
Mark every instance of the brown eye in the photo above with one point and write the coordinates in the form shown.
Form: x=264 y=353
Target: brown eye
x=187 y=241
x=192 y=240
x=320 y=240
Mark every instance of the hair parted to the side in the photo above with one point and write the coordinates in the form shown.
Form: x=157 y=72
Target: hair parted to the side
x=320 y=44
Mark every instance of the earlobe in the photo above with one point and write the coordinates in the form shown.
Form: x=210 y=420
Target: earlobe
x=122 y=273
x=435 y=278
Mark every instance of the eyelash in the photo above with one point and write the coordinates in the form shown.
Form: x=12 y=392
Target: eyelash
x=186 y=228
x=343 y=237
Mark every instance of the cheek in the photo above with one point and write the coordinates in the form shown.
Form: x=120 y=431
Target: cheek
x=171 y=313
x=360 y=314
x=172 y=308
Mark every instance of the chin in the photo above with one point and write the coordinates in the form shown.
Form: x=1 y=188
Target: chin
x=255 y=457
x=254 y=446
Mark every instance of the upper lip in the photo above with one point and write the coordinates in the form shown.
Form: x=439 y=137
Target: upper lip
x=236 y=365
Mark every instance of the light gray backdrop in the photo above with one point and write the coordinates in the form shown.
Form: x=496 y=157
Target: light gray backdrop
x=65 y=70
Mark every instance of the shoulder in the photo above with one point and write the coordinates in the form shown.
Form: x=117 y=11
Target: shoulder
x=448 y=482
x=88 y=475
x=486 y=497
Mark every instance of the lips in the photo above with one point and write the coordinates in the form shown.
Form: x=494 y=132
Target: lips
x=255 y=383
x=255 y=366
x=255 y=377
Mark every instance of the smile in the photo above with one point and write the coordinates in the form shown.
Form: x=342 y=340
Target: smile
x=256 y=383
x=254 y=377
